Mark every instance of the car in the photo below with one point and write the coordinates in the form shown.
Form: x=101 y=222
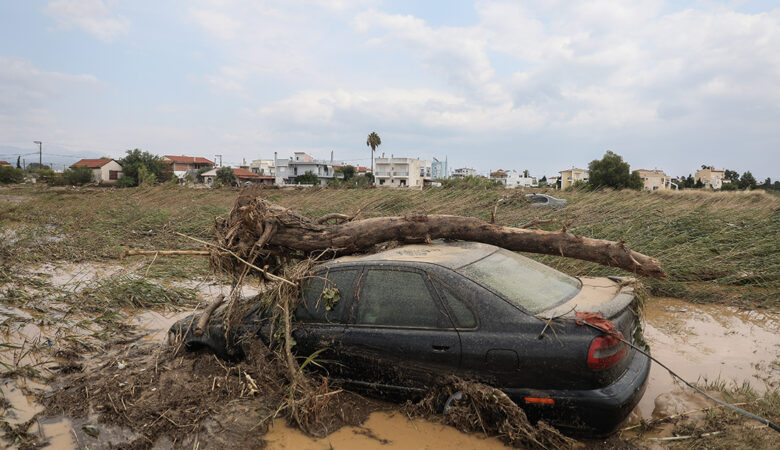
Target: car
x=545 y=200
x=406 y=318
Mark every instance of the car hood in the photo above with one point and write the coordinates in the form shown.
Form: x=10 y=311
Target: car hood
x=608 y=296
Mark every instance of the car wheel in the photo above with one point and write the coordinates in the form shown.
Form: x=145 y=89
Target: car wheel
x=454 y=397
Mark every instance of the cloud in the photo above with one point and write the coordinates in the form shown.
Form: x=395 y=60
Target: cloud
x=93 y=16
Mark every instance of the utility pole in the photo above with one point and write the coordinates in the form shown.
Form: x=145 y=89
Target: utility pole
x=220 y=159
x=40 y=152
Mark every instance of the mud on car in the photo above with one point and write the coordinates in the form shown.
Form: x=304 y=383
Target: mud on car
x=399 y=321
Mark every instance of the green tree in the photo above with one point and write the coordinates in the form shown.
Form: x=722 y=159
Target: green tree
x=152 y=164
x=11 y=175
x=348 y=172
x=77 y=176
x=18 y=165
x=373 y=141
x=699 y=184
x=767 y=184
x=37 y=166
x=307 y=178
x=731 y=175
x=747 y=181
x=226 y=176
x=611 y=171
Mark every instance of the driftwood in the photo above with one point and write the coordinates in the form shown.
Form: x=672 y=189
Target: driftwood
x=293 y=234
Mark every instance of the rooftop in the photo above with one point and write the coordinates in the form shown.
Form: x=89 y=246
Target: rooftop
x=182 y=159
x=92 y=163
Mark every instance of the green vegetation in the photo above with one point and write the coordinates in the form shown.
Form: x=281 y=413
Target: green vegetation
x=715 y=246
x=373 y=140
x=143 y=168
x=469 y=182
x=10 y=175
x=226 y=176
x=612 y=172
x=308 y=178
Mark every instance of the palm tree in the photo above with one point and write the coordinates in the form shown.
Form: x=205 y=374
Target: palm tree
x=373 y=141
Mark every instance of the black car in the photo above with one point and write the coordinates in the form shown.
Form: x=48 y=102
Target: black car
x=403 y=319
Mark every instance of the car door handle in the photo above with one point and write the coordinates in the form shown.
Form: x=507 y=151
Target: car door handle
x=441 y=348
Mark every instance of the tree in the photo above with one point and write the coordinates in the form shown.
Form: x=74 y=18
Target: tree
x=152 y=164
x=18 y=166
x=9 y=175
x=307 y=178
x=373 y=141
x=731 y=175
x=77 y=176
x=544 y=179
x=699 y=184
x=612 y=172
x=767 y=184
x=689 y=182
x=747 y=181
x=226 y=176
x=526 y=173
x=37 y=166
x=348 y=172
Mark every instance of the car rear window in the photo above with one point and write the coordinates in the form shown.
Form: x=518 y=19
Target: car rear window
x=527 y=283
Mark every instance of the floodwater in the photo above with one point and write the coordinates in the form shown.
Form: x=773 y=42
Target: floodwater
x=700 y=342
x=707 y=343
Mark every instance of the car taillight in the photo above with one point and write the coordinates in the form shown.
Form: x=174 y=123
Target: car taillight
x=605 y=351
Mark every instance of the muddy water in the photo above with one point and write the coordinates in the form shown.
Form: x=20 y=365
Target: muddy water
x=382 y=430
x=707 y=343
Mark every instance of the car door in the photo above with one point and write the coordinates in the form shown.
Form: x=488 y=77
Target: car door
x=399 y=335
x=323 y=312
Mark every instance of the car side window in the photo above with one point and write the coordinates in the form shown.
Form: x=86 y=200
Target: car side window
x=539 y=199
x=396 y=298
x=326 y=297
x=462 y=315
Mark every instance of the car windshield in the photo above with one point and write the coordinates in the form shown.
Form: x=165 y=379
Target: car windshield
x=527 y=283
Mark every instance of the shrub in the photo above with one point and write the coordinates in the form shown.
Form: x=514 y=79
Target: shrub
x=469 y=182
x=307 y=178
x=9 y=175
x=77 y=176
x=225 y=177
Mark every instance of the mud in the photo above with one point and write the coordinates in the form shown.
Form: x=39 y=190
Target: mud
x=707 y=343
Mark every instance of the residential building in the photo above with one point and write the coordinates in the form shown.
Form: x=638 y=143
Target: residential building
x=181 y=164
x=243 y=176
x=513 y=179
x=104 y=170
x=439 y=169
x=285 y=170
x=4 y=163
x=655 y=179
x=573 y=175
x=552 y=181
x=401 y=172
x=463 y=172
x=263 y=167
x=710 y=177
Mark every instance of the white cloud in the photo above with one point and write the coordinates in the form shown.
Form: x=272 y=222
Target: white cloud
x=93 y=16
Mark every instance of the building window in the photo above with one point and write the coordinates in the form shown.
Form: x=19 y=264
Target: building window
x=295 y=171
x=113 y=174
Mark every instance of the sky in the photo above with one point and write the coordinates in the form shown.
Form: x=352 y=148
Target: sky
x=526 y=85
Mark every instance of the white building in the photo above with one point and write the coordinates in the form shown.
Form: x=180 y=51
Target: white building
x=513 y=179
x=263 y=167
x=463 y=172
x=286 y=170
x=401 y=172
x=104 y=170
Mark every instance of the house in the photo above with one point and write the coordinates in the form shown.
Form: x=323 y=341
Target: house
x=710 y=177
x=104 y=170
x=463 y=172
x=5 y=163
x=655 y=179
x=552 y=181
x=182 y=164
x=513 y=179
x=286 y=170
x=264 y=167
x=243 y=177
x=573 y=175
x=401 y=172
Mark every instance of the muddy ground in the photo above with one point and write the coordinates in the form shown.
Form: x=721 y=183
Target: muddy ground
x=127 y=378
x=84 y=361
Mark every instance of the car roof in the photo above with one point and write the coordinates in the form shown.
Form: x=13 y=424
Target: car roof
x=453 y=255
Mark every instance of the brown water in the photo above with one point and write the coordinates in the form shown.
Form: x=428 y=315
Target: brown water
x=697 y=341
x=707 y=343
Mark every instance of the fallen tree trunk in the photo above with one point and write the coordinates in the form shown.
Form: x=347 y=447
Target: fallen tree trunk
x=295 y=233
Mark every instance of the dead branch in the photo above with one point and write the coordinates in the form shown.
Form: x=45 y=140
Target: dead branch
x=296 y=234
x=136 y=252
x=204 y=318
